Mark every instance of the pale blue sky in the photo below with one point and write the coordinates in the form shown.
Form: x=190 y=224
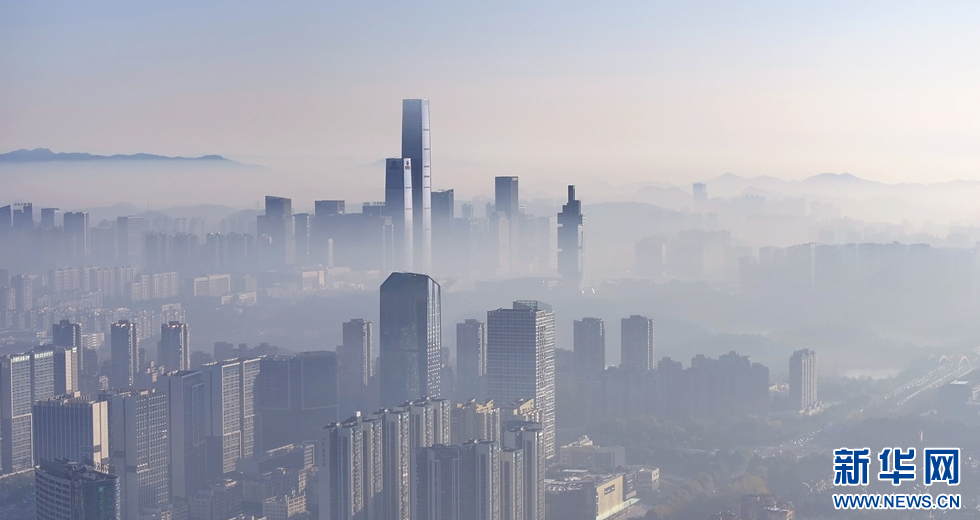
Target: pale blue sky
x=630 y=91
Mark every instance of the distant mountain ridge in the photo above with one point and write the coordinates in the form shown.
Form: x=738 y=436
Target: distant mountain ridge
x=45 y=155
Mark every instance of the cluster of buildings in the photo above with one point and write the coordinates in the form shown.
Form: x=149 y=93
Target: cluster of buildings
x=381 y=428
x=70 y=263
x=250 y=430
x=730 y=386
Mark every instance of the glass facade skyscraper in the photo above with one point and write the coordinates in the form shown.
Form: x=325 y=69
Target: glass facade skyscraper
x=411 y=338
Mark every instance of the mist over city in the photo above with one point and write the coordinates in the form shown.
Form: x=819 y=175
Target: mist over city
x=320 y=261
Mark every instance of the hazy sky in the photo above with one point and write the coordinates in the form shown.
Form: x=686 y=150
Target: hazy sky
x=649 y=91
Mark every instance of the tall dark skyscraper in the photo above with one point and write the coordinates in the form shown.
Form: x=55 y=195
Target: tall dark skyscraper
x=77 y=237
x=174 y=352
x=443 y=207
x=125 y=362
x=276 y=232
x=411 y=338
x=570 y=241
x=445 y=241
x=505 y=196
x=636 y=343
x=521 y=360
x=69 y=336
x=66 y=334
x=471 y=360
x=398 y=205
x=355 y=359
x=415 y=146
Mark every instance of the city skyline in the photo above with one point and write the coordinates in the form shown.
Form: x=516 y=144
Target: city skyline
x=642 y=220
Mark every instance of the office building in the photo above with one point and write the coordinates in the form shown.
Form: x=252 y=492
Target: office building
x=66 y=334
x=67 y=338
x=529 y=438
x=398 y=206
x=295 y=396
x=77 y=237
x=139 y=444
x=276 y=233
x=505 y=196
x=570 y=221
x=416 y=147
x=64 y=362
x=186 y=423
x=446 y=234
x=71 y=428
x=521 y=360
x=123 y=349
x=803 y=379
x=328 y=207
x=438 y=483
x=48 y=217
x=74 y=491
x=174 y=352
x=24 y=379
x=443 y=209
x=411 y=338
x=471 y=360
x=230 y=429
x=637 y=343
